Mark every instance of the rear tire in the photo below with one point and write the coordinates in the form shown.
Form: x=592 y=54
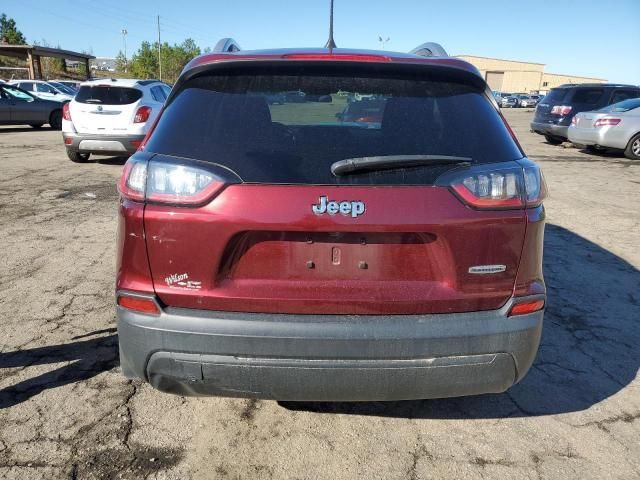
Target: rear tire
x=591 y=148
x=553 y=140
x=633 y=148
x=36 y=125
x=55 y=120
x=77 y=157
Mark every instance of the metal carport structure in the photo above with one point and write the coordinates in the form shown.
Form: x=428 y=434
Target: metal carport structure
x=32 y=54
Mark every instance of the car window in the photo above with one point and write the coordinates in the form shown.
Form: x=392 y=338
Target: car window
x=556 y=96
x=18 y=94
x=166 y=90
x=108 y=95
x=158 y=94
x=28 y=86
x=43 y=87
x=587 y=96
x=623 y=106
x=620 y=95
x=229 y=120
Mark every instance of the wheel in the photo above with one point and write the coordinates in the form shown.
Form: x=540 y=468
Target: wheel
x=553 y=140
x=633 y=148
x=55 y=119
x=591 y=148
x=77 y=157
x=36 y=125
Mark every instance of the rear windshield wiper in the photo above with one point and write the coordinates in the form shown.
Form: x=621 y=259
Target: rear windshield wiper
x=387 y=162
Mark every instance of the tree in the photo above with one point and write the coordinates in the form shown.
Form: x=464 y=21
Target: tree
x=9 y=33
x=144 y=63
x=121 y=62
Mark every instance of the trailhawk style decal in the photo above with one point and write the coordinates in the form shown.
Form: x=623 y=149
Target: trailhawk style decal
x=332 y=207
x=181 y=280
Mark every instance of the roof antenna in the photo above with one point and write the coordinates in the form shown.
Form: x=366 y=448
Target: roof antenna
x=330 y=43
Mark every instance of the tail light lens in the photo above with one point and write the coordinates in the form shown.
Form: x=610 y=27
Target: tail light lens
x=161 y=182
x=561 y=110
x=142 y=115
x=603 y=122
x=139 y=304
x=574 y=121
x=526 y=307
x=511 y=188
x=66 y=113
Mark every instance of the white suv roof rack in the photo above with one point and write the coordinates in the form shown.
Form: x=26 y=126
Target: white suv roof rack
x=430 y=49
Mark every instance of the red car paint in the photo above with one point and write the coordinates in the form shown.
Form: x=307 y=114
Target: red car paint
x=259 y=247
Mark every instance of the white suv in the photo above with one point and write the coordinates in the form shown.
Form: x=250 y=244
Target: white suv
x=111 y=116
x=42 y=89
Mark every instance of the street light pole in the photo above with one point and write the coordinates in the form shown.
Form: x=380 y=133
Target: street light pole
x=124 y=39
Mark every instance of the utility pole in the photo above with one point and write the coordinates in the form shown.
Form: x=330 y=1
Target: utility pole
x=124 y=39
x=159 y=56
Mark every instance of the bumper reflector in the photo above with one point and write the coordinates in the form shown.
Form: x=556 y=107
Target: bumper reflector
x=137 y=304
x=526 y=307
x=68 y=141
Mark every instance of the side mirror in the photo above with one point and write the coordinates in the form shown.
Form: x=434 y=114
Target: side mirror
x=339 y=115
x=55 y=93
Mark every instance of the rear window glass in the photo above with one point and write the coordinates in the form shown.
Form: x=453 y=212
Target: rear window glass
x=624 y=106
x=587 y=96
x=556 y=96
x=291 y=128
x=108 y=95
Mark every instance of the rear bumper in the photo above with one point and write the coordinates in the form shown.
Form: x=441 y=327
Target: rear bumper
x=549 y=129
x=102 y=144
x=604 y=137
x=328 y=357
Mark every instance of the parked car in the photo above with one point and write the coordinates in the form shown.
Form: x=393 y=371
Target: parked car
x=308 y=259
x=508 y=101
x=536 y=98
x=553 y=115
x=18 y=107
x=111 y=116
x=616 y=126
x=525 y=101
x=42 y=89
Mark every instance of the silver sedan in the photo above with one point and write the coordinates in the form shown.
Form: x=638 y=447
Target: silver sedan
x=616 y=126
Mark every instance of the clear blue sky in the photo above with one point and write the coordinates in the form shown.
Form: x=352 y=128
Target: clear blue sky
x=596 y=38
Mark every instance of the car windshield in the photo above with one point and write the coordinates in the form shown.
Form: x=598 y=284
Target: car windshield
x=623 y=106
x=62 y=88
x=17 y=93
x=232 y=120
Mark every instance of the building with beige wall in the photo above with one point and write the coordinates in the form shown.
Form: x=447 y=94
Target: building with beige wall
x=521 y=77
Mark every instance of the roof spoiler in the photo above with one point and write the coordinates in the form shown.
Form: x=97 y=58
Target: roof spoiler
x=226 y=45
x=429 y=49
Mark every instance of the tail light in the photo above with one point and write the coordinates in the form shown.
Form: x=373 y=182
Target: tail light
x=603 y=122
x=574 y=120
x=526 y=307
x=139 y=304
x=66 y=113
x=142 y=115
x=501 y=189
x=561 y=110
x=169 y=183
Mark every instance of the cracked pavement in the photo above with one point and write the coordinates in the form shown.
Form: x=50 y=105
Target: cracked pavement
x=66 y=411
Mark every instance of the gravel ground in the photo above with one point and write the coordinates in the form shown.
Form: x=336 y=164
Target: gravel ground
x=67 y=412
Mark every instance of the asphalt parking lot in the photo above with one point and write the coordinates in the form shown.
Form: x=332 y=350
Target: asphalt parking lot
x=67 y=412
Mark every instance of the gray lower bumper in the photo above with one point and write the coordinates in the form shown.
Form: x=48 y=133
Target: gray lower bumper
x=102 y=144
x=328 y=357
x=549 y=129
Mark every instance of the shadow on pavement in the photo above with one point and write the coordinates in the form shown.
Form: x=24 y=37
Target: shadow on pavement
x=89 y=358
x=589 y=348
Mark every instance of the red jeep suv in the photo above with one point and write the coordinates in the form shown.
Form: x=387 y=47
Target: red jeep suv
x=276 y=251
